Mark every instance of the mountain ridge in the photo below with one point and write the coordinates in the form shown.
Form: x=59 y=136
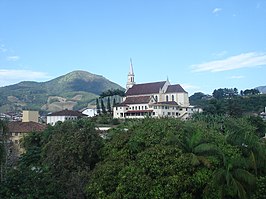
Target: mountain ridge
x=64 y=91
x=262 y=89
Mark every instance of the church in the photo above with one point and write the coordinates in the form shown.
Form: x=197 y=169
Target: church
x=155 y=99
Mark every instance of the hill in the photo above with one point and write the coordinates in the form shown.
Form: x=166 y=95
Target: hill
x=74 y=90
x=262 y=89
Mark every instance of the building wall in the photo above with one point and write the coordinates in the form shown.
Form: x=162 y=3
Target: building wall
x=53 y=119
x=30 y=116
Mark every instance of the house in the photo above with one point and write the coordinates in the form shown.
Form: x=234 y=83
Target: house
x=155 y=99
x=20 y=129
x=63 y=115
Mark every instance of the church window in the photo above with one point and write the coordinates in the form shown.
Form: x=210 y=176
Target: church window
x=167 y=98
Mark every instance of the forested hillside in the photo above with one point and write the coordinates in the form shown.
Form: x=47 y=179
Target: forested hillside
x=71 y=91
x=209 y=156
x=229 y=101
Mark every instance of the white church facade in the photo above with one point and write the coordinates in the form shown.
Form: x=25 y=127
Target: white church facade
x=155 y=99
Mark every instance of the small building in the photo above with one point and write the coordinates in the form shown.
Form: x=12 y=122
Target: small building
x=90 y=111
x=64 y=115
x=263 y=114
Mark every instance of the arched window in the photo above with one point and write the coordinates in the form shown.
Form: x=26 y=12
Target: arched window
x=156 y=98
x=167 y=98
x=173 y=98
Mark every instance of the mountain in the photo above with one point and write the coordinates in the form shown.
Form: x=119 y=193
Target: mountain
x=262 y=89
x=74 y=90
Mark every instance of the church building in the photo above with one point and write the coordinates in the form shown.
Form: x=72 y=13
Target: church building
x=155 y=99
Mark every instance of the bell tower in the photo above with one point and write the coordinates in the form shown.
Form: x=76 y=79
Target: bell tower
x=130 y=76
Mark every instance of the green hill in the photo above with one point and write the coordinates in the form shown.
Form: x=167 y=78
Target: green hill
x=74 y=90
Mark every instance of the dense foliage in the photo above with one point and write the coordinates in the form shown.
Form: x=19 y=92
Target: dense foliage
x=210 y=156
x=229 y=101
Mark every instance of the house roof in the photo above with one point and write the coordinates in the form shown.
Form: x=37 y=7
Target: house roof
x=25 y=127
x=137 y=100
x=67 y=113
x=148 y=88
x=175 y=89
x=166 y=103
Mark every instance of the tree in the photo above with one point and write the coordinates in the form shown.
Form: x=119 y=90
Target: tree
x=71 y=153
x=114 y=102
x=109 y=105
x=3 y=149
x=103 y=107
x=197 y=147
x=233 y=179
x=98 y=106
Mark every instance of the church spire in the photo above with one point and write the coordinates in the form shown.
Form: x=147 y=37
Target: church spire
x=130 y=76
x=131 y=68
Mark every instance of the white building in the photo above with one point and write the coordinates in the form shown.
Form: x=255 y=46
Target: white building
x=156 y=99
x=63 y=115
x=263 y=114
x=90 y=111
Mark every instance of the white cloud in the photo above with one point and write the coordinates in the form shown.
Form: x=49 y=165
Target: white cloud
x=13 y=58
x=216 y=10
x=245 y=60
x=237 y=77
x=8 y=77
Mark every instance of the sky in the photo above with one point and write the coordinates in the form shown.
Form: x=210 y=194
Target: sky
x=200 y=44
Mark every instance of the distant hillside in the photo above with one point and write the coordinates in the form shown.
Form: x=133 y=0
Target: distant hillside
x=73 y=90
x=262 y=89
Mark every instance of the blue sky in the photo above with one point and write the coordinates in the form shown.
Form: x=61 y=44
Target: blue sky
x=201 y=44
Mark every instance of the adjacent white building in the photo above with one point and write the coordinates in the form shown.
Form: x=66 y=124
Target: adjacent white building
x=90 y=111
x=63 y=115
x=156 y=99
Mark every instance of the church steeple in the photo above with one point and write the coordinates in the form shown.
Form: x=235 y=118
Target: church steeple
x=130 y=76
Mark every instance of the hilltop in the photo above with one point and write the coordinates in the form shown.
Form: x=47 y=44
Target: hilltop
x=74 y=90
x=262 y=89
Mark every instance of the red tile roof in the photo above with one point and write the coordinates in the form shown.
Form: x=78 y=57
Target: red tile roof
x=67 y=113
x=137 y=100
x=25 y=127
x=175 y=89
x=166 y=103
x=148 y=88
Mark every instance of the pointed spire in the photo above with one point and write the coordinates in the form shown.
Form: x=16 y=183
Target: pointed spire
x=131 y=68
x=130 y=76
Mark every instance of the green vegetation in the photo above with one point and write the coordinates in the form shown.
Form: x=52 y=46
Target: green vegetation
x=34 y=95
x=210 y=156
x=229 y=101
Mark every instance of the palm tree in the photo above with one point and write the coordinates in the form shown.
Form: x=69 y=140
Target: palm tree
x=232 y=179
x=193 y=144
